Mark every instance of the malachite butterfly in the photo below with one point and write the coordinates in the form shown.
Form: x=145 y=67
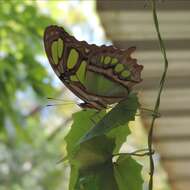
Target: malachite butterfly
x=99 y=75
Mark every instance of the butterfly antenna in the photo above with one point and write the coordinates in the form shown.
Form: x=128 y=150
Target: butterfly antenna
x=59 y=99
x=57 y=104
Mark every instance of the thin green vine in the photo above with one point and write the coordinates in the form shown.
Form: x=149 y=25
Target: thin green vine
x=157 y=104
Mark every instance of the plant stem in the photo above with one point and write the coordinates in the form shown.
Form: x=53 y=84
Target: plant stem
x=141 y=152
x=157 y=104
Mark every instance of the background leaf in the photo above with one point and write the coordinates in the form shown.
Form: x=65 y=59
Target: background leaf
x=128 y=173
x=121 y=114
x=91 y=159
x=82 y=122
x=119 y=134
x=100 y=178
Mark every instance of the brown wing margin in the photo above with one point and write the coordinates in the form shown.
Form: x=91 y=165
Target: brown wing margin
x=53 y=32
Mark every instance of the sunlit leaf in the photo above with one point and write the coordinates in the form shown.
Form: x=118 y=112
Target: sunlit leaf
x=89 y=158
x=119 y=134
x=83 y=121
x=128 y=173
x=121 y=114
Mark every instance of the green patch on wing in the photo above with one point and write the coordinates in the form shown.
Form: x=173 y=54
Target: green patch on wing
x=60 y=47
x=125 y=74
x=57 y=50
x=100 y=85
x=72 y=58
x=54 y=52
x=74 y=78
x=119 y=67
x=114 y=61
x=107 y=60
x=102 y=59
x=81 y=72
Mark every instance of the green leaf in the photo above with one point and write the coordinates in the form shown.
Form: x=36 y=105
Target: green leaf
x=94 y=152
x=128 y=173
x=83 y=121
x=119 y=134
x=89 y=160
x=100 y=178
x=121 y=114
x=73 y=176
x=86 y=154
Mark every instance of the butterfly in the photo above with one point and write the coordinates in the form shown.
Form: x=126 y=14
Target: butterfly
x=99 y=75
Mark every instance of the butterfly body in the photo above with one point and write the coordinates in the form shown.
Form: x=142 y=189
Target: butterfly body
x=98 y=75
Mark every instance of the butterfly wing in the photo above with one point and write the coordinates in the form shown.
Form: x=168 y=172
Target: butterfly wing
x=98 y=75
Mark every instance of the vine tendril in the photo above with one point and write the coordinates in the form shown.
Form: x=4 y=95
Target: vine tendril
x=157 y=104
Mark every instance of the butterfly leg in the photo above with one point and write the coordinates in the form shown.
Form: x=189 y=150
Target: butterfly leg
x=91 y=105
x=86 y=105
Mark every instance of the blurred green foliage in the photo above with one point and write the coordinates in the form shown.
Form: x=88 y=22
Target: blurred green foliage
x=21 y=27
x=27 y=154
